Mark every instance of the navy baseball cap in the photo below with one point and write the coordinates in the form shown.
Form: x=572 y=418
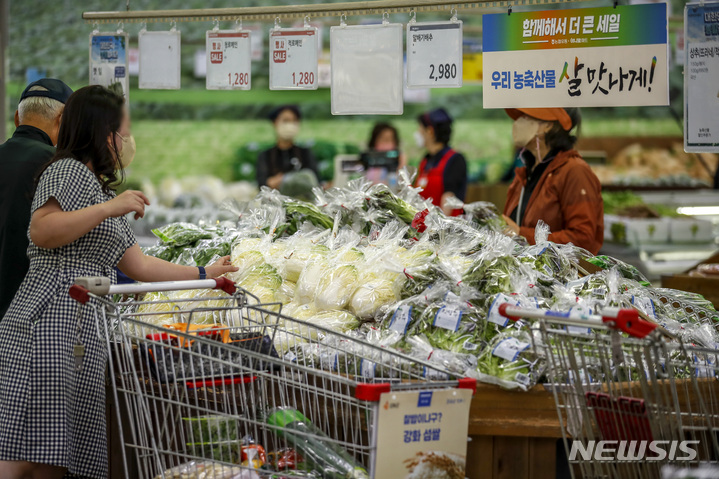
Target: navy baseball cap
x=435 y=117
x=56 y=89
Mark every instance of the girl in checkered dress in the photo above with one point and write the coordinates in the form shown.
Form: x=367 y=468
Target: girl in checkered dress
x=52 y=415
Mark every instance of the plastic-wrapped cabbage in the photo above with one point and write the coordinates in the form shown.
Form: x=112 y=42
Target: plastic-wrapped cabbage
x=262 y=276
x=374 y=292
x=309 y=280
x=245 y=261
x=201 y=305
x=348 y=256
x=453 y=362
x=510 y=361
x=299 y=256
x=336 y=320
x=149 y=311
x=335 y=287
x=286 y=292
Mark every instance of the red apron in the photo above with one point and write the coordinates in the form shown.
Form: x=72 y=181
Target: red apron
x=432 y=181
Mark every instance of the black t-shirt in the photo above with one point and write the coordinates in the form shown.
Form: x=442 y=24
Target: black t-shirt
x=455 y=172
x=273 y=161
x=21 y=159
x=533 y=176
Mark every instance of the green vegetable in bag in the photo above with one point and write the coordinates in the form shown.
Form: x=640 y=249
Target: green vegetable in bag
x=181 y=234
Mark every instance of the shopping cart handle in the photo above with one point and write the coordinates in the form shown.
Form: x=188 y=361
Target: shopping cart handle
x=628 y=320
x=100 y=286
x=503 y=311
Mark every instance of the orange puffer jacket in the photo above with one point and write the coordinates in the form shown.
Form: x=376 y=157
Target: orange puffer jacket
x=567 y=197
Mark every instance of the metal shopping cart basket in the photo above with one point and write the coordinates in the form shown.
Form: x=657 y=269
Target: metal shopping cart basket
x=215 y=384
x=631 y=398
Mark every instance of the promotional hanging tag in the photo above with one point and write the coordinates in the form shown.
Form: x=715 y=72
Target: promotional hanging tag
x=434 y=55
x=108 y=59
x=229 y=60
x=159 y=60
x=293 y=58
x=367 y=69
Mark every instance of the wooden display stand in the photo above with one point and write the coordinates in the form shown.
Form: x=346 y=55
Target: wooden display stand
x=707 y=287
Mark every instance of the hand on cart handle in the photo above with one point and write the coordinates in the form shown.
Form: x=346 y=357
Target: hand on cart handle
x=626 y=320
x=100 y=286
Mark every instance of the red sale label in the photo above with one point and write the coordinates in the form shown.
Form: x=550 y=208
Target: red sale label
x=216 y=57
x=279 y=56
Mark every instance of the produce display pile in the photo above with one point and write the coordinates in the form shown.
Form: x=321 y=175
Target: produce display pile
x=394 y=271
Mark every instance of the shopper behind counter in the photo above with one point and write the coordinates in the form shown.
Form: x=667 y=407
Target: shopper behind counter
x=285 y=157
x=560 y=189
x=443 y=171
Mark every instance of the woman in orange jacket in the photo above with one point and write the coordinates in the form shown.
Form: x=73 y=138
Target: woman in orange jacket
x=556 y=185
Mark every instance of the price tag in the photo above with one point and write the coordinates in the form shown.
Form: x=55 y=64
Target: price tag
x=434 y=55
x=229 y=65
x=401 y=318
x=159 y=60
x=646 y=305
x=448 y=318
x=257 y=46
x=508 y=349
x=108 y=60
x=293 y=59
x=579 y=312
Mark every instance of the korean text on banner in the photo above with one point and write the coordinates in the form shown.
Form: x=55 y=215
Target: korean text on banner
x=701 y=72
x=228 y=60
x=422 y=431
x=160 y=60
x=108 y=60
x=576 y=57
x=293 y=58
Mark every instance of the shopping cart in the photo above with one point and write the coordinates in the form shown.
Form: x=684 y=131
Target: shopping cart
x=250 y=386
x=630 y=398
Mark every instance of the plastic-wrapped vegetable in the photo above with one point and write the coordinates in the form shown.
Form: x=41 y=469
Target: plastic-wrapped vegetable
x=201 y=305
x=157 y=309
x=181 y=234
x=262 y=276
x=336 y=286
x=375 y=291
x=451 y=326
x=309 y=280
x=510 y=361
x=336 y=320
x=492 y=275
x=628 y=271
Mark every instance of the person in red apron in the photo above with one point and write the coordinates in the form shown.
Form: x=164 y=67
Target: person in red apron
x=443 y=171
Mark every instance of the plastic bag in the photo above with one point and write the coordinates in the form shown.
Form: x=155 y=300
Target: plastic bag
x=510 y=361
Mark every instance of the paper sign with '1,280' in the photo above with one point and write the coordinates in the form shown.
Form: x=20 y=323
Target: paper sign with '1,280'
x=576 y=57
x=229 y=60
x=293 y=59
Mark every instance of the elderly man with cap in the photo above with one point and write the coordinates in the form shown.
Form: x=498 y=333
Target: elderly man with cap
x=21 y=158
x=443 y=171
x=556 y=185
x=285 y=157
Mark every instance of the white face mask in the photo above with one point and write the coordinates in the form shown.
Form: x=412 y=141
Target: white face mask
x=419 y=139
x=288 y=130
x=127 y=154
x=524 y=130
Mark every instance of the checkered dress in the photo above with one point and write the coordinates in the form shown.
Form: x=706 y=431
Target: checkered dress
x=49 y=413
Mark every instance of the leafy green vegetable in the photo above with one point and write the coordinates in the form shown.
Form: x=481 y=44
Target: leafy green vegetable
x=181 y=234
x=627 y=271
x=383 y=198
x=511 y=360
x=492 y=276
x=298 y=212
x=466 y=337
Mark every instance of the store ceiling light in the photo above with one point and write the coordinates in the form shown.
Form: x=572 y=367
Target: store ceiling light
x=699 y=210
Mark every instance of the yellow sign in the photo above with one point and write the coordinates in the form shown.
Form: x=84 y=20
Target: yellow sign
x=472 y=68
x=422 y=434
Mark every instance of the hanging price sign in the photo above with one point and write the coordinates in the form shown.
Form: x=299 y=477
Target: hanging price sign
x=434 y=55
x=159 y=60
x=108 y=60
x=229 y=60
x=293 y=58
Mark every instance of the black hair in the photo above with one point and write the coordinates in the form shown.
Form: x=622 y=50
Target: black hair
x=557 y=138
x=91 y=115
x=275 y=113
x=442 y=132
x=377 y=131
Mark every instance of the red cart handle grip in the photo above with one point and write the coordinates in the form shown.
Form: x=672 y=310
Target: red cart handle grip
x=628 y=321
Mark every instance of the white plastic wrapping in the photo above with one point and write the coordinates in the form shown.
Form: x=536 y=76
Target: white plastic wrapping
x=367 y=69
